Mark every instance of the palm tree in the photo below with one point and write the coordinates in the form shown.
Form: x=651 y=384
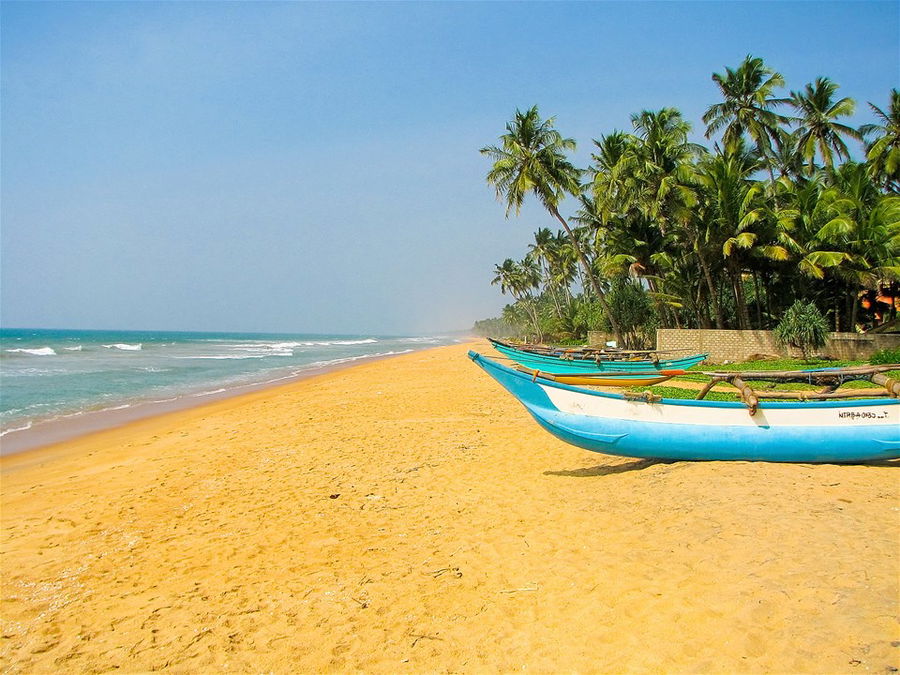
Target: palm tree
x=628 y=244
x=801 y=215
x=786 y=156
x=663 y=165
x=747 y=107
x=732 y=207
x=883 y=152
x=819 y=129
x=531 y=158
x=543 y=251
x=682 y=287
x=863 y=233
x=518 y=279
x=642 y=192
x=564 y=264
x=515 y=316
x=835 y=235
x=612 y=182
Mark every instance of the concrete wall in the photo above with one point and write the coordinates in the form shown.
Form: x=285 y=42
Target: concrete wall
x=738 y=345
x=597 y=338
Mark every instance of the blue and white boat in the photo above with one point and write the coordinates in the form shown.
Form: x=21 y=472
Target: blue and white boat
x=594 y=363
x=781 y=431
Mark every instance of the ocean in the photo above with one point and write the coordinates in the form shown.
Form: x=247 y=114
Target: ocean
x=51 y=375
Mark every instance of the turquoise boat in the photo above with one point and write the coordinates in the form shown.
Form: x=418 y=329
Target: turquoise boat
x=560 y=365
x=779 y=431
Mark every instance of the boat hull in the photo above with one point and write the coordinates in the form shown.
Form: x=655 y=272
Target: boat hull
x=817 y=431
x=559 y=365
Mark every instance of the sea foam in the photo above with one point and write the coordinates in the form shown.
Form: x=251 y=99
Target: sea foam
x=350 y=359
x=41 y=351
x=421 y=340
x=330 y=343
x=94 y=372
x=367 y=341
x=12 y=429
x=224 y=357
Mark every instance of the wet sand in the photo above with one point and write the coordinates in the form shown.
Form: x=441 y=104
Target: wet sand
x=407 y=515
x=54 y=431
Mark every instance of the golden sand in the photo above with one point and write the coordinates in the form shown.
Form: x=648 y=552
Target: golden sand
x=407 y=515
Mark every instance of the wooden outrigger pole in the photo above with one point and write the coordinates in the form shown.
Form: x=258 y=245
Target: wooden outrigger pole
x=830 y=379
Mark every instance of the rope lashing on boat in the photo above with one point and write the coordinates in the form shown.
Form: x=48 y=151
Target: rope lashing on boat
x=889 y=383
x=645 y=396
x=837 y=379
x=748 y=396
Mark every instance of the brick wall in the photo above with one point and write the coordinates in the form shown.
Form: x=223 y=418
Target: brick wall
x=737 y=345
x=856 y=346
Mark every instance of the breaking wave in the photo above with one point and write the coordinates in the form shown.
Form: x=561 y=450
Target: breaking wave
x=12 y=429
x=92 y=374
x=41 y=351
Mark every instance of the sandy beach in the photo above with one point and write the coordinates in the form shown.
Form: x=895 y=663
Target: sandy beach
x=406 y=515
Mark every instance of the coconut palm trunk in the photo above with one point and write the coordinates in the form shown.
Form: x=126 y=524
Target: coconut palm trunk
x=589 y=274
x=711 y=287
x=756 y=288
x=532 y=307
x=739 y=299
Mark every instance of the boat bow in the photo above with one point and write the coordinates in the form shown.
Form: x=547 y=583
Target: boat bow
x=815 y=431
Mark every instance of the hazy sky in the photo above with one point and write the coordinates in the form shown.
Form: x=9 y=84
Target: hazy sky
x=314 y=166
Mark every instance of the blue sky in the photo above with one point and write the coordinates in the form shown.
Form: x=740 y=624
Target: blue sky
x=314 y=167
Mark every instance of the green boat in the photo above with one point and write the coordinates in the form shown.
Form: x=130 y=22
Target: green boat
x=593 y=363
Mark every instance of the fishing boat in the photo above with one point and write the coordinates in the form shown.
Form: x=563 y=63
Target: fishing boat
x=604 y=379
x=586 y=351
x=596 y=363
x=751 y=430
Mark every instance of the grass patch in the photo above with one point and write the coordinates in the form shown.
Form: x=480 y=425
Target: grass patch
x=676 y=392
x=779 y=364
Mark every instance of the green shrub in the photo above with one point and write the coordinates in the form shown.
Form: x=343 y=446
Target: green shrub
x=885 y=356
x=633 y=308
x=803 y=327
x=586 y=315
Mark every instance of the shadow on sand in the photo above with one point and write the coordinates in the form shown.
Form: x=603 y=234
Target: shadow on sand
x=606 y=470
x=883 y=462
x=641 y=464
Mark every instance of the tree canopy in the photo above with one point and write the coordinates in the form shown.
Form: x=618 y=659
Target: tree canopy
x=671 y=233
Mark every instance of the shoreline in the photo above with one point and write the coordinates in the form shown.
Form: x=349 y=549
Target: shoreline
x=62 y=429
x=407 y=515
